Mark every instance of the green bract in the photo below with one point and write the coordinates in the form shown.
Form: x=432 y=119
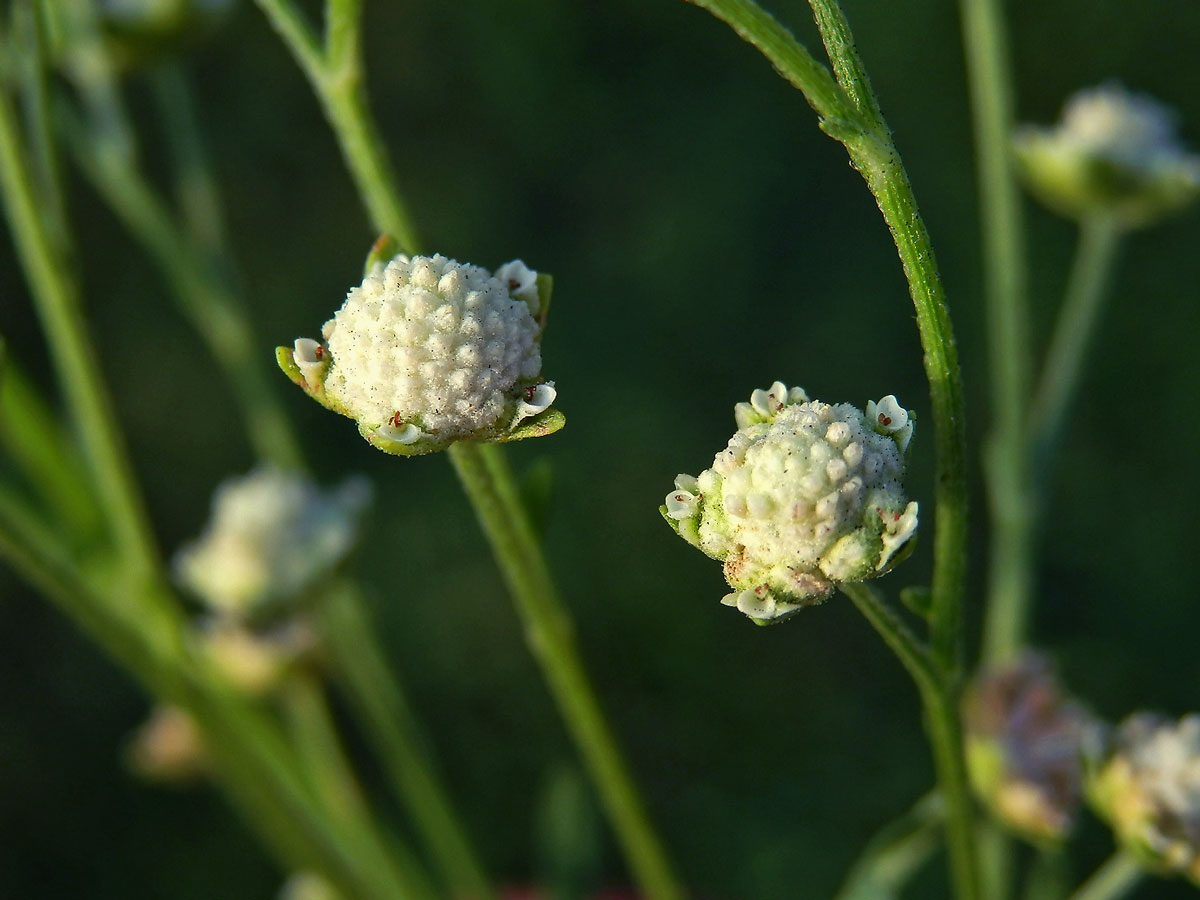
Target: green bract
x=428 y=351
x=805 y=496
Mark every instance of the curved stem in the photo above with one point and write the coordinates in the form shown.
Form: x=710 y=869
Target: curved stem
x=872 y=152
x=1114 y=879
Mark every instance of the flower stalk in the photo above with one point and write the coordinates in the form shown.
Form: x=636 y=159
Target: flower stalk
x=485 y=475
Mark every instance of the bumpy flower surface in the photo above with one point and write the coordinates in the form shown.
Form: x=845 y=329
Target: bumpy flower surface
x=1148 y=788
x=1025 y=742
x=1114 y=154
x=428 y=350
x=271 y=536
x=805 y=496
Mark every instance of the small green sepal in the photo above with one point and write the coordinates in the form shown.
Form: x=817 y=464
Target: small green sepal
x=384 y=248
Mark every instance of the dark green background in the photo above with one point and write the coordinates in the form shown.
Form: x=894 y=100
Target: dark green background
x=706 y=239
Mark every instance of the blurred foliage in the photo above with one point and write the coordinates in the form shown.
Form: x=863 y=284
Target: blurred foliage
x=706 y=239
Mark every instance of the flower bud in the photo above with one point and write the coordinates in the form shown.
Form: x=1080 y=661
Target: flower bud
x=272 y=535
x=168 y=747
x=1114 y=154
x=1148 y=789
x=805 y=496
x=428 y=351
x=1025 y=741
x=257 y=660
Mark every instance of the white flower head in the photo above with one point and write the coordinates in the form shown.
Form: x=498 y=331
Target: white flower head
x=806 y=495
x=272 y=535
x=427 y=351
x=1148 y=788
x=1115 y=153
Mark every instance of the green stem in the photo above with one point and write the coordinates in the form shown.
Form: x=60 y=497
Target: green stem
x=940 y=701
x=549 y=632
x=896 y=853
x=849 y=119
x=56 y=293
x=203 y=294
x=399 y=741
x=1010 y=574
x=35 y=440
x=492 y=490
x=315 y=738
x=1078 y=321
x=1116 y=878
x=337 y=80
x=996 y=860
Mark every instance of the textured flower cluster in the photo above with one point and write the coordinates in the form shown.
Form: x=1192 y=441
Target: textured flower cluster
x=272 y=534
x=428 y=350
x=806 y=495
x=1114 y=154
x=1148 y=788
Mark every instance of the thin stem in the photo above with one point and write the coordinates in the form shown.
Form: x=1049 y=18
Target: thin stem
x=56 y=293
x=790 y=58
x=896 y=853
x=319 y=747
x=940 y=702
x=35 y=440
x=847 y=66
x=492 y=489
x=298 y=35
x=876 y=158
x=913 y=655
x=1078 y=321
x=196 y=191
x=1114 y=879
x=1010 y=574
x=343 y=98
x=203 y=294
x=996 y=860
x=398 y=739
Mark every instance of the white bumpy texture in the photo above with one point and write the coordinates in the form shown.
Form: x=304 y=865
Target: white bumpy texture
x=806 y=495
x=430 y=342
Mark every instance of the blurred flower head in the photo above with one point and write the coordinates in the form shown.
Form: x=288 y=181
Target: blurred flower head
x=272 y=536
x=805 y=496
x=428 y=351
x=1147 y=787
x=1025 y=740
x=1114 y=154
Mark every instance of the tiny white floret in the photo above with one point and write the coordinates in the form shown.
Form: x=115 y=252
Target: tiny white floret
x=535 y=399
x=312 y=361
x=521 y=281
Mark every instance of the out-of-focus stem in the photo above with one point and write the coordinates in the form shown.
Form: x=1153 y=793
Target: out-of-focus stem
x=399 y=741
